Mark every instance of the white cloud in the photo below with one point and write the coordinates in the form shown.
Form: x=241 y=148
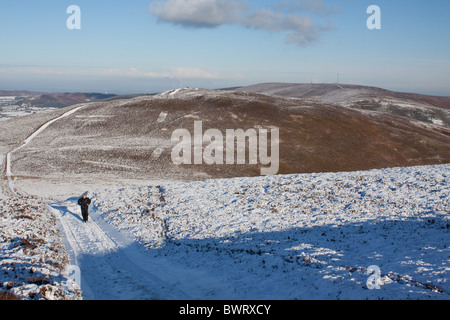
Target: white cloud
x=301 y=29
x=197 y=13
x=43 y=71
x=172 y=73
x=192 y=73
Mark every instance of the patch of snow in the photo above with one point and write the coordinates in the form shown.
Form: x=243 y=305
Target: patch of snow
x=438 y=122
x=109 y=165
x=157 y=152
x=162 y=117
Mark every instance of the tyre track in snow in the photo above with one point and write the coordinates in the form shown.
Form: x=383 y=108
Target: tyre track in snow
x=113 y=267
x=8 y=165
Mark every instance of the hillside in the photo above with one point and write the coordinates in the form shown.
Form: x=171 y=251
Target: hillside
x=152 y=236
x=431 y=109
x=131 y=139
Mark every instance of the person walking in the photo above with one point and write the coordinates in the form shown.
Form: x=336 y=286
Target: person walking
x=84 y=203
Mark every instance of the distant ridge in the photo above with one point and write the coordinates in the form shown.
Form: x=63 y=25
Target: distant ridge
x=59 y=100
x=426 y=108
x=329 y=93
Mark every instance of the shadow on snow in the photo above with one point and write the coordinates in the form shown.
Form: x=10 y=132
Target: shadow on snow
x=324 y=262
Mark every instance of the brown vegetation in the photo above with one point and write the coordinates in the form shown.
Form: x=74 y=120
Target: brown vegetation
x=8 y=296
x=117 y=139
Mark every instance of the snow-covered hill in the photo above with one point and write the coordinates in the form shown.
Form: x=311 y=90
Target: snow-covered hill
x=424 y=108
x=306 y=236
x=309 y=236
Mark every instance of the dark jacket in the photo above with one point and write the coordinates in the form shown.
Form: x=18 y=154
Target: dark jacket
x=84 y=203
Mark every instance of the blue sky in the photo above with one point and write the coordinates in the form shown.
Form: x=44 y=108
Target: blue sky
x=139 y=46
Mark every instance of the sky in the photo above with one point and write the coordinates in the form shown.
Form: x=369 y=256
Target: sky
x=142 y=46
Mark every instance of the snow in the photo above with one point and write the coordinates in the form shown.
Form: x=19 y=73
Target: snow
x=186 y=93
x=305 y=236
x=438 y=122
x=288 y=237
x=162 y=117
x=33 y=259
x=112 y=265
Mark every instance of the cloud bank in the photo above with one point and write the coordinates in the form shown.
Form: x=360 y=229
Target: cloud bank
x=291 y=17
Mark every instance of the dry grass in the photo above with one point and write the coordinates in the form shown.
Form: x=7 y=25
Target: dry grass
x=38 y=280
x=8 y=296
